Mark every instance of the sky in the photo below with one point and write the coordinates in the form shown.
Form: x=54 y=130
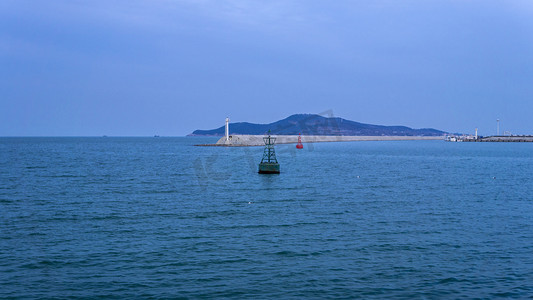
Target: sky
x=168 y=67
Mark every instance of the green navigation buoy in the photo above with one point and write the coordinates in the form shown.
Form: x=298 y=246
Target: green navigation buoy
x=269 y=163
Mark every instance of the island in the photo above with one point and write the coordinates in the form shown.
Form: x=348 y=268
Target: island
x=314 y=128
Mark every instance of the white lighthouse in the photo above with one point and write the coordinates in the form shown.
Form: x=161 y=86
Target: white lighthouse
x=227 y=129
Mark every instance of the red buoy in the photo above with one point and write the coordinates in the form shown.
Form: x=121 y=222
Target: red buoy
x=299 y=145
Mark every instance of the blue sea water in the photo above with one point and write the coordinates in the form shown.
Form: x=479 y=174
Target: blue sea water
x=161 y=218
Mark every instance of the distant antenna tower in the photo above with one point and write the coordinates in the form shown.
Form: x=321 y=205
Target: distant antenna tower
x=498 y=127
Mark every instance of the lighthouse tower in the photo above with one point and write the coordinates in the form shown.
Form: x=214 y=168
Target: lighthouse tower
x=227 y=129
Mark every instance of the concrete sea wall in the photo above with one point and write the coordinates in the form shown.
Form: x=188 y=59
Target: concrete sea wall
x=505 y=139
x=257 y=140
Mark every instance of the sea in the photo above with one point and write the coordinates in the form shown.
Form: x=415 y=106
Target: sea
x=158 y=217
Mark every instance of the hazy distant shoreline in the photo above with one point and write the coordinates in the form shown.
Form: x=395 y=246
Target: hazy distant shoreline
x=257 y=140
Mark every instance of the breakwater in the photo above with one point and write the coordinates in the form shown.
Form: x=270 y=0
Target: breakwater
x=502 y=139
x=257 y=140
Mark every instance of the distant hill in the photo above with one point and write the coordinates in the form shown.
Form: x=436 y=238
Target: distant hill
x=310 y=124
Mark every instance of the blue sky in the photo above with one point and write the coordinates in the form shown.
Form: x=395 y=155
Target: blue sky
x=169 y=67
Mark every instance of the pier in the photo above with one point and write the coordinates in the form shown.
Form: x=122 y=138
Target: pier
x=492 y=139
x=503 y=139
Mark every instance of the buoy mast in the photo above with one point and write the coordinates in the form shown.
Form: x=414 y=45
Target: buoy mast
x=269 y=164
x=299 y=145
